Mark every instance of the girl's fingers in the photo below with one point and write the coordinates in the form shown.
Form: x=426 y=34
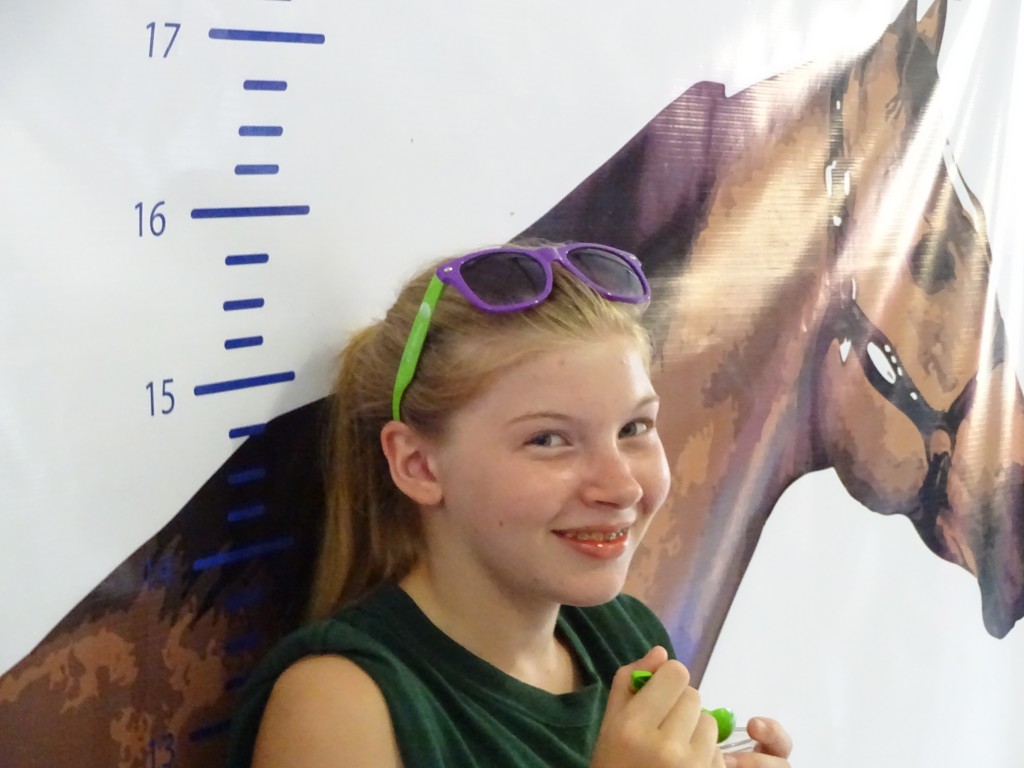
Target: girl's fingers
x=668 y=694
x=660 y=722
x=686 y=719
x=772 y=738
x=669 y=704
x=621 y=693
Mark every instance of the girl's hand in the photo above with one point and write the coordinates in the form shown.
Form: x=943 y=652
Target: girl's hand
x=659 y=726
x=773 y=746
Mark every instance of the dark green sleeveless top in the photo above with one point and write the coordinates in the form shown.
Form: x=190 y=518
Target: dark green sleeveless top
x=451 y=708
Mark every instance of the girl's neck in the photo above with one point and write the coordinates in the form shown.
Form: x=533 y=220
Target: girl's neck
x=516 y=637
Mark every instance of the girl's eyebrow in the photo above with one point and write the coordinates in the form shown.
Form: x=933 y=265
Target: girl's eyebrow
x=558 y=416
x=555 y=415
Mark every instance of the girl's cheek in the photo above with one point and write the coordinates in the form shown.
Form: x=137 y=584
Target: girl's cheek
x=659 y=484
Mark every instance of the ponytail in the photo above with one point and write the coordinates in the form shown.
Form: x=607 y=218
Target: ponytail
x=371 y=531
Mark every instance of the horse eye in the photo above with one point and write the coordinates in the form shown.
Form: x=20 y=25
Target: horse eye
x=880 y=359
x=931 y=264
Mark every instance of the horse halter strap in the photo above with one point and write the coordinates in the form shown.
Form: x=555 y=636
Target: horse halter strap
x=859 y=338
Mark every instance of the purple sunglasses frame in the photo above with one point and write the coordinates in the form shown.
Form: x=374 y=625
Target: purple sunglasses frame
x=450 y=273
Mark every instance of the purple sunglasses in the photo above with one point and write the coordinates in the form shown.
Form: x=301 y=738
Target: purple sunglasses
x=509 y=279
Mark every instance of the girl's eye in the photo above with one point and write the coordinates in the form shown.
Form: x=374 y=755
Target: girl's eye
x=636 y=428
x=547 y=440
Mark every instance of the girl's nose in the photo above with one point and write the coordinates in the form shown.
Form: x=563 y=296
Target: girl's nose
x=611 y=481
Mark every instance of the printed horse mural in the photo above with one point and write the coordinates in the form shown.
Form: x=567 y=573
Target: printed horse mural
x=823 y=303
x=821 y=276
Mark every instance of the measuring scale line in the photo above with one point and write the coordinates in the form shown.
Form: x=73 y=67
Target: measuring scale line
x=247 y=211
x=246 y=341
x=232 y=556
x=248 y=598
x=266 y=169
x=204 y=732
x=234 y=305
x=249 y=475
x=251 y=430
x=244 y=643
x=241 y=514
x=260 y=130
x=265 y=85
x=246 y=383
x=261 y=36
x=246 y=258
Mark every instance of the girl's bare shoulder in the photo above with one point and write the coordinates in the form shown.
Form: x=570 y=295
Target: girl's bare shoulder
x=326 y=711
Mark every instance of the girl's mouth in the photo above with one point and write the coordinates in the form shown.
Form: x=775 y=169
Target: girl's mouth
x=596 y=543
x=591 y=535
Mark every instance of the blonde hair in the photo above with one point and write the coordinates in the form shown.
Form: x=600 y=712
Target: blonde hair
x=372 y=533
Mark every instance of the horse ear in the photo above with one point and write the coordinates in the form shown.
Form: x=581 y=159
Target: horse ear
x=905 y=24
x=932 y=24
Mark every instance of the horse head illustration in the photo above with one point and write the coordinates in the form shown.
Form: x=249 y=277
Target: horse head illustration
x=825 y=302
x=822 y=300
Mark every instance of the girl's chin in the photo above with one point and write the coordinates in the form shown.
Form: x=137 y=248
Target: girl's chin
x=593 y=593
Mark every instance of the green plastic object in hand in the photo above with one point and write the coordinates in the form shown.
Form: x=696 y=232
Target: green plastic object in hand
x=724 y=717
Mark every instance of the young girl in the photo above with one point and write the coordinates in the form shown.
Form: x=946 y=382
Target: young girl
x=494 y=465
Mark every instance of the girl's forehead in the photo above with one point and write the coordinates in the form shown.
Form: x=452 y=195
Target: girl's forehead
x=570 y=373
x=565 y=356
x=523 y=347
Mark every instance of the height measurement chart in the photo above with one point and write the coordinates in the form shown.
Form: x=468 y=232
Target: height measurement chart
x=199 y=202
x=176 y=164
x=163 y=209
x=232 y=213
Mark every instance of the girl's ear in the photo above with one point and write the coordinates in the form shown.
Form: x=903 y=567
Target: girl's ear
x=408 y=455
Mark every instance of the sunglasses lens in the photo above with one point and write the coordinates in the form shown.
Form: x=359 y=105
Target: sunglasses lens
x=505 y=278
x=609 y=271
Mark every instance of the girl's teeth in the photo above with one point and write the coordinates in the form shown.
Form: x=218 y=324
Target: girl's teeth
x=595 y=535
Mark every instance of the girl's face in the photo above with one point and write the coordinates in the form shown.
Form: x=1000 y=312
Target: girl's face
x=551 y=476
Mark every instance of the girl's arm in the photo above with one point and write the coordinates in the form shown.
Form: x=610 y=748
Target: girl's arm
x=325 y=711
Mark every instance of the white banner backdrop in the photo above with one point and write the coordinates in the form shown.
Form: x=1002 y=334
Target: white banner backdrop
x=410 y=130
